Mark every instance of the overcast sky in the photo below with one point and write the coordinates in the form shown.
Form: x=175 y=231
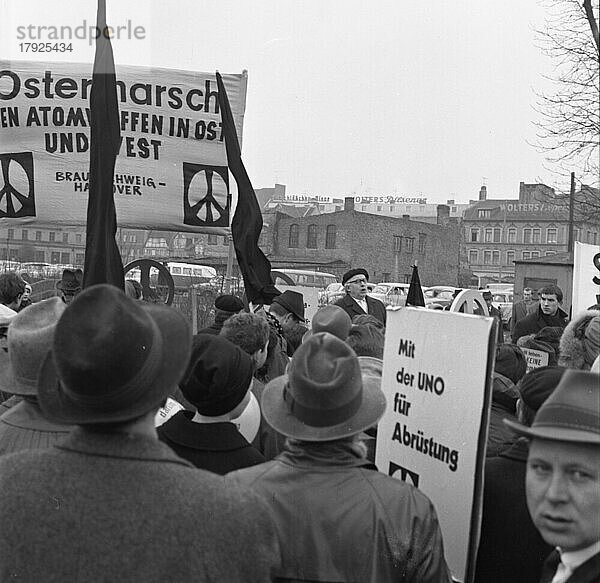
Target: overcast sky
x=381 y=98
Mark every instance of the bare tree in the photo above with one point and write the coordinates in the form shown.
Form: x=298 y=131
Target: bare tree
x=569 y=122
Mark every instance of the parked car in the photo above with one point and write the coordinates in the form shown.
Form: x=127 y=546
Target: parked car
x=390 y=293
x=438 y=297
x=503 y=300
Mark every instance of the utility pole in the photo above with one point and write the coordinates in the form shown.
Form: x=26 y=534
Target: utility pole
x=571 y=205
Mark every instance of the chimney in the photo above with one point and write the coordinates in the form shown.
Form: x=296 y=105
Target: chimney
x=483 y=193
x=443 y=214
x=349 y=203
x=279 y=191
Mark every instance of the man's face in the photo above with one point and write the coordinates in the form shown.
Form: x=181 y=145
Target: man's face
x=549 y=304
x=563 y=492
x=357 y=287
x=527 y=295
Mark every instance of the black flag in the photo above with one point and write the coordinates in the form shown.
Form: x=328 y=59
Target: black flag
x=247 y=221
x=415 y=292
x=102 y=258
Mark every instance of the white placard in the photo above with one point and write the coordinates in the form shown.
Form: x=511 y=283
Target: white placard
x=535 y=358
x=311 y=299
x=437 y=381
x=585 y=274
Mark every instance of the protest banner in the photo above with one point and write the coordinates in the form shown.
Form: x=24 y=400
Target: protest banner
x=171 y=172
x=311 y=299
x=586 y=276
x=535 y=358
x=437 y=368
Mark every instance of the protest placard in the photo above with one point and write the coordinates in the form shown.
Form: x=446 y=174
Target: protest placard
x=586 y=276
x=437 y=381
x=171 y=171
x=311 y=299
x=535 y=358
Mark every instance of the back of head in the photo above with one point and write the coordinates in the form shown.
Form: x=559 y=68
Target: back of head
x=332 y=319
x=218 y=375
x=12 y=286
x=510 y=362
x=248 y=331
x=534 y=388
x=580 y=342
x=366 y=341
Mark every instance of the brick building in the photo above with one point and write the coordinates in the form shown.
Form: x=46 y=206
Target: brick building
x=501 y=231
x=385 y=246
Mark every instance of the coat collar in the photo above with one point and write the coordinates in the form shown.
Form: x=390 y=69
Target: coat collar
x=325 y=455
x=119 y=445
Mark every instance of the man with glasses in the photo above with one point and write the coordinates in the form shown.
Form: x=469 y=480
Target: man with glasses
x=356 y=302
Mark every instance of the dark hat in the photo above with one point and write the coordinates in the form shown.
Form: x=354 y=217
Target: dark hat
x=571 y=413
x=537 y=385
x=332 y=319
x=229 y=303
x=29 y=340
x=487 y=294
x=113 y=359
x=323 y=397
x=218 y=375
x=352 y=272
x=510 y=362
x=71 y=281
x=293 y=302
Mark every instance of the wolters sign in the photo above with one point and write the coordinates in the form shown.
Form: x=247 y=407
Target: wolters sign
x=171 y=172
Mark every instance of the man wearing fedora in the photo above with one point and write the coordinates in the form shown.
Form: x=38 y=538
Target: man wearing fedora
x=563 y=477
x=111 y=502
x=337 y=517
x=30 y=336
x=70 y=284
x=356 y=302
x=287 y=310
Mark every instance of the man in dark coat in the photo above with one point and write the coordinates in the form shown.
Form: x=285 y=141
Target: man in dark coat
x=356 y=302
x=111 y=502
x=338 y=519
x=523 y=308
x=502 y=556
x=217 y=383
x=548 y=313
x=562 y=481
x=225 y=307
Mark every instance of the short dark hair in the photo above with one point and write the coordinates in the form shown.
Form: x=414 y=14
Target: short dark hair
x=12 y=286
x=248 y=331
x=551 y=289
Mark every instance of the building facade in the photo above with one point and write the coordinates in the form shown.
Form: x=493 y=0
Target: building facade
x=498 y=232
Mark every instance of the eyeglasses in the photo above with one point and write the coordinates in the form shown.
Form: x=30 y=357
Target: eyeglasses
x=358 y=281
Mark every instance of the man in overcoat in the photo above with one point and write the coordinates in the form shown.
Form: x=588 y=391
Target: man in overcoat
x=356 y=302
x=112 y=503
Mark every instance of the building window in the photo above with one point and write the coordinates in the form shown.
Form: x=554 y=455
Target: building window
x=537 y=236
x=496 y=257
x=40 y=257
x=474 y=235
x=512 y=235
x=487 y=257
x=595 y=238
x=38 y=235
x=311 y=237
x=52 y=237
x=497 y=235
x=575 y=234
x=422 y=238
x=379 y=208
x=397 y=243
x=65 y=237
x=410 y=244
x=526 y=255
x=548 y=253
x=11 y=234
x=535 y=254
x=385 y=276
x=484 y=213
x=293 y=236
x=473 y=256
x=589 y=238
x=79 y=258
x=526 y=235
x=54 y=257
x=364 y=208
x=65 y=258
x=510 y=257
x=212 y=239
x=78 y=238
x=488 y=236
x=551 y=236
x=25 y=234
x=391 y=208
x=330 y=234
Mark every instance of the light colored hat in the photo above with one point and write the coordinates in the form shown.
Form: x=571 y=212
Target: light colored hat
x=29 y=340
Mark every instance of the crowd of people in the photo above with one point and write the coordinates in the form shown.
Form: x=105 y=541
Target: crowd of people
x=131 y=450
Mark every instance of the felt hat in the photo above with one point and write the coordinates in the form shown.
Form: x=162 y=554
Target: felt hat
x=293 y=302
x=113 y=359
x=229 y=303
x=218 y=375
x=571 y=413
x=538 y=384
x=322 y=397
x=71 y=281
x=353 y=273
x=29 y=339
x=332 y=319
